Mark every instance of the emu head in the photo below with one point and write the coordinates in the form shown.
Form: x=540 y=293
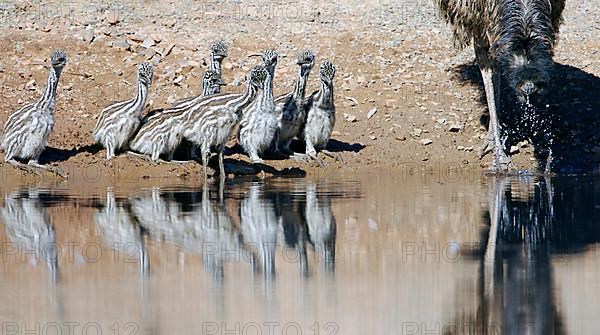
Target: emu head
x=218 y=51
x=523 y=49
x=327 y=72
x=211 y=82
x=306 y=61
x=258 y=75
x=145 y=73
x=269 y=57
x=58 y=59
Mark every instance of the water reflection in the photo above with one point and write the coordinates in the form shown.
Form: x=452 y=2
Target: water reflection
x=530 y=221
x=121 y=231
x=306 y=251
x=29 y=228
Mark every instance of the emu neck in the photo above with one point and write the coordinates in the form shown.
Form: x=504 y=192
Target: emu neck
x=205 y=89
x=51 y=85
x=215 y=64
x=244 y=100
x=326 y=94
x=300 y=88
x=266 y=96
x=140 y=95
x=271 y=70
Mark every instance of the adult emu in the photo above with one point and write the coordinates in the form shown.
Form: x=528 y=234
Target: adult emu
x=513 y=39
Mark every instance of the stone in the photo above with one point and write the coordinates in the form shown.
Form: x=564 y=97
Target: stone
x=30 y=85
x=148 y=43
x=416 y=132
x=121 y=44
x=514 y=149
x=455 y=127
x=353 y=102
x=349 y=117
x=425 y=141
x=371 y=113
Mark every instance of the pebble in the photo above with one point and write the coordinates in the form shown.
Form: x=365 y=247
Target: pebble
x=371 y=113
x=148 y=43
x=349 y=117
x=121 y=44
x=455 y=127
x=425 y=141
x=514 y=149
x=353 y=101
x=416 y=132
x=30 y=85
x=113 y=18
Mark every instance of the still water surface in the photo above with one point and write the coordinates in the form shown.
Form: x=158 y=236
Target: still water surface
x=349 y=255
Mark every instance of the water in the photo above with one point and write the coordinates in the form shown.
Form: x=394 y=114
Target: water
x=383 y=254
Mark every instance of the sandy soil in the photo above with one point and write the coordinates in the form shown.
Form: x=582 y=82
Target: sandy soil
x=404 y=95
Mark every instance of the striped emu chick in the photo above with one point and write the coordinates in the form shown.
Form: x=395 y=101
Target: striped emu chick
x=259 y=120
x=218 y=52
x=26 y=131
x=118 y=122
x=290 y=107
x=160 y=132
x=320 y=112
x=211 y=82
x=211 y=123
x=513 y=40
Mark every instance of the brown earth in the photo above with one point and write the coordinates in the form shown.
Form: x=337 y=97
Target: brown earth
x=394 y=58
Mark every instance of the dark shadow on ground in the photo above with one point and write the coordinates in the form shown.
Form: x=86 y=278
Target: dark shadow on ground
x=567 y=121
x=55 y=155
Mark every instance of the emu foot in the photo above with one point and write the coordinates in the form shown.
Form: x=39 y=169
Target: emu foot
x=55 y=170
x=487 y=145
x=335 y=155
x=501 y=163
x=307 y=157
x=24 y=167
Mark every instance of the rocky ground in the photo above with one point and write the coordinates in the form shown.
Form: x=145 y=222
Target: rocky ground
x=404 y=95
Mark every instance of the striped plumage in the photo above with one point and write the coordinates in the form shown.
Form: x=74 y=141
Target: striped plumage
x=159 y=133
x=218 y=52
x=290 y=107
x=209 y=124
x=161 y=130
x=320 y=112
x=259 y=120
x=118 y=122
x=211 y=83
x=26 y=131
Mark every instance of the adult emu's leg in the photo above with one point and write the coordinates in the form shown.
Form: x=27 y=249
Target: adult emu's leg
x=493 y=141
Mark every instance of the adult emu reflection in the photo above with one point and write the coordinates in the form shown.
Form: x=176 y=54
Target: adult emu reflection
x=530 y=221
x=513 y=39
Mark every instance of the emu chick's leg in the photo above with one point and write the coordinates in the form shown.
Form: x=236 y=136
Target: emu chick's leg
x=221 y=164
x=205 y=154
x=306 y=157
x=335 y=155
x=501 y=160
x=55 y=170
x=110 y=152
x=22 y=166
